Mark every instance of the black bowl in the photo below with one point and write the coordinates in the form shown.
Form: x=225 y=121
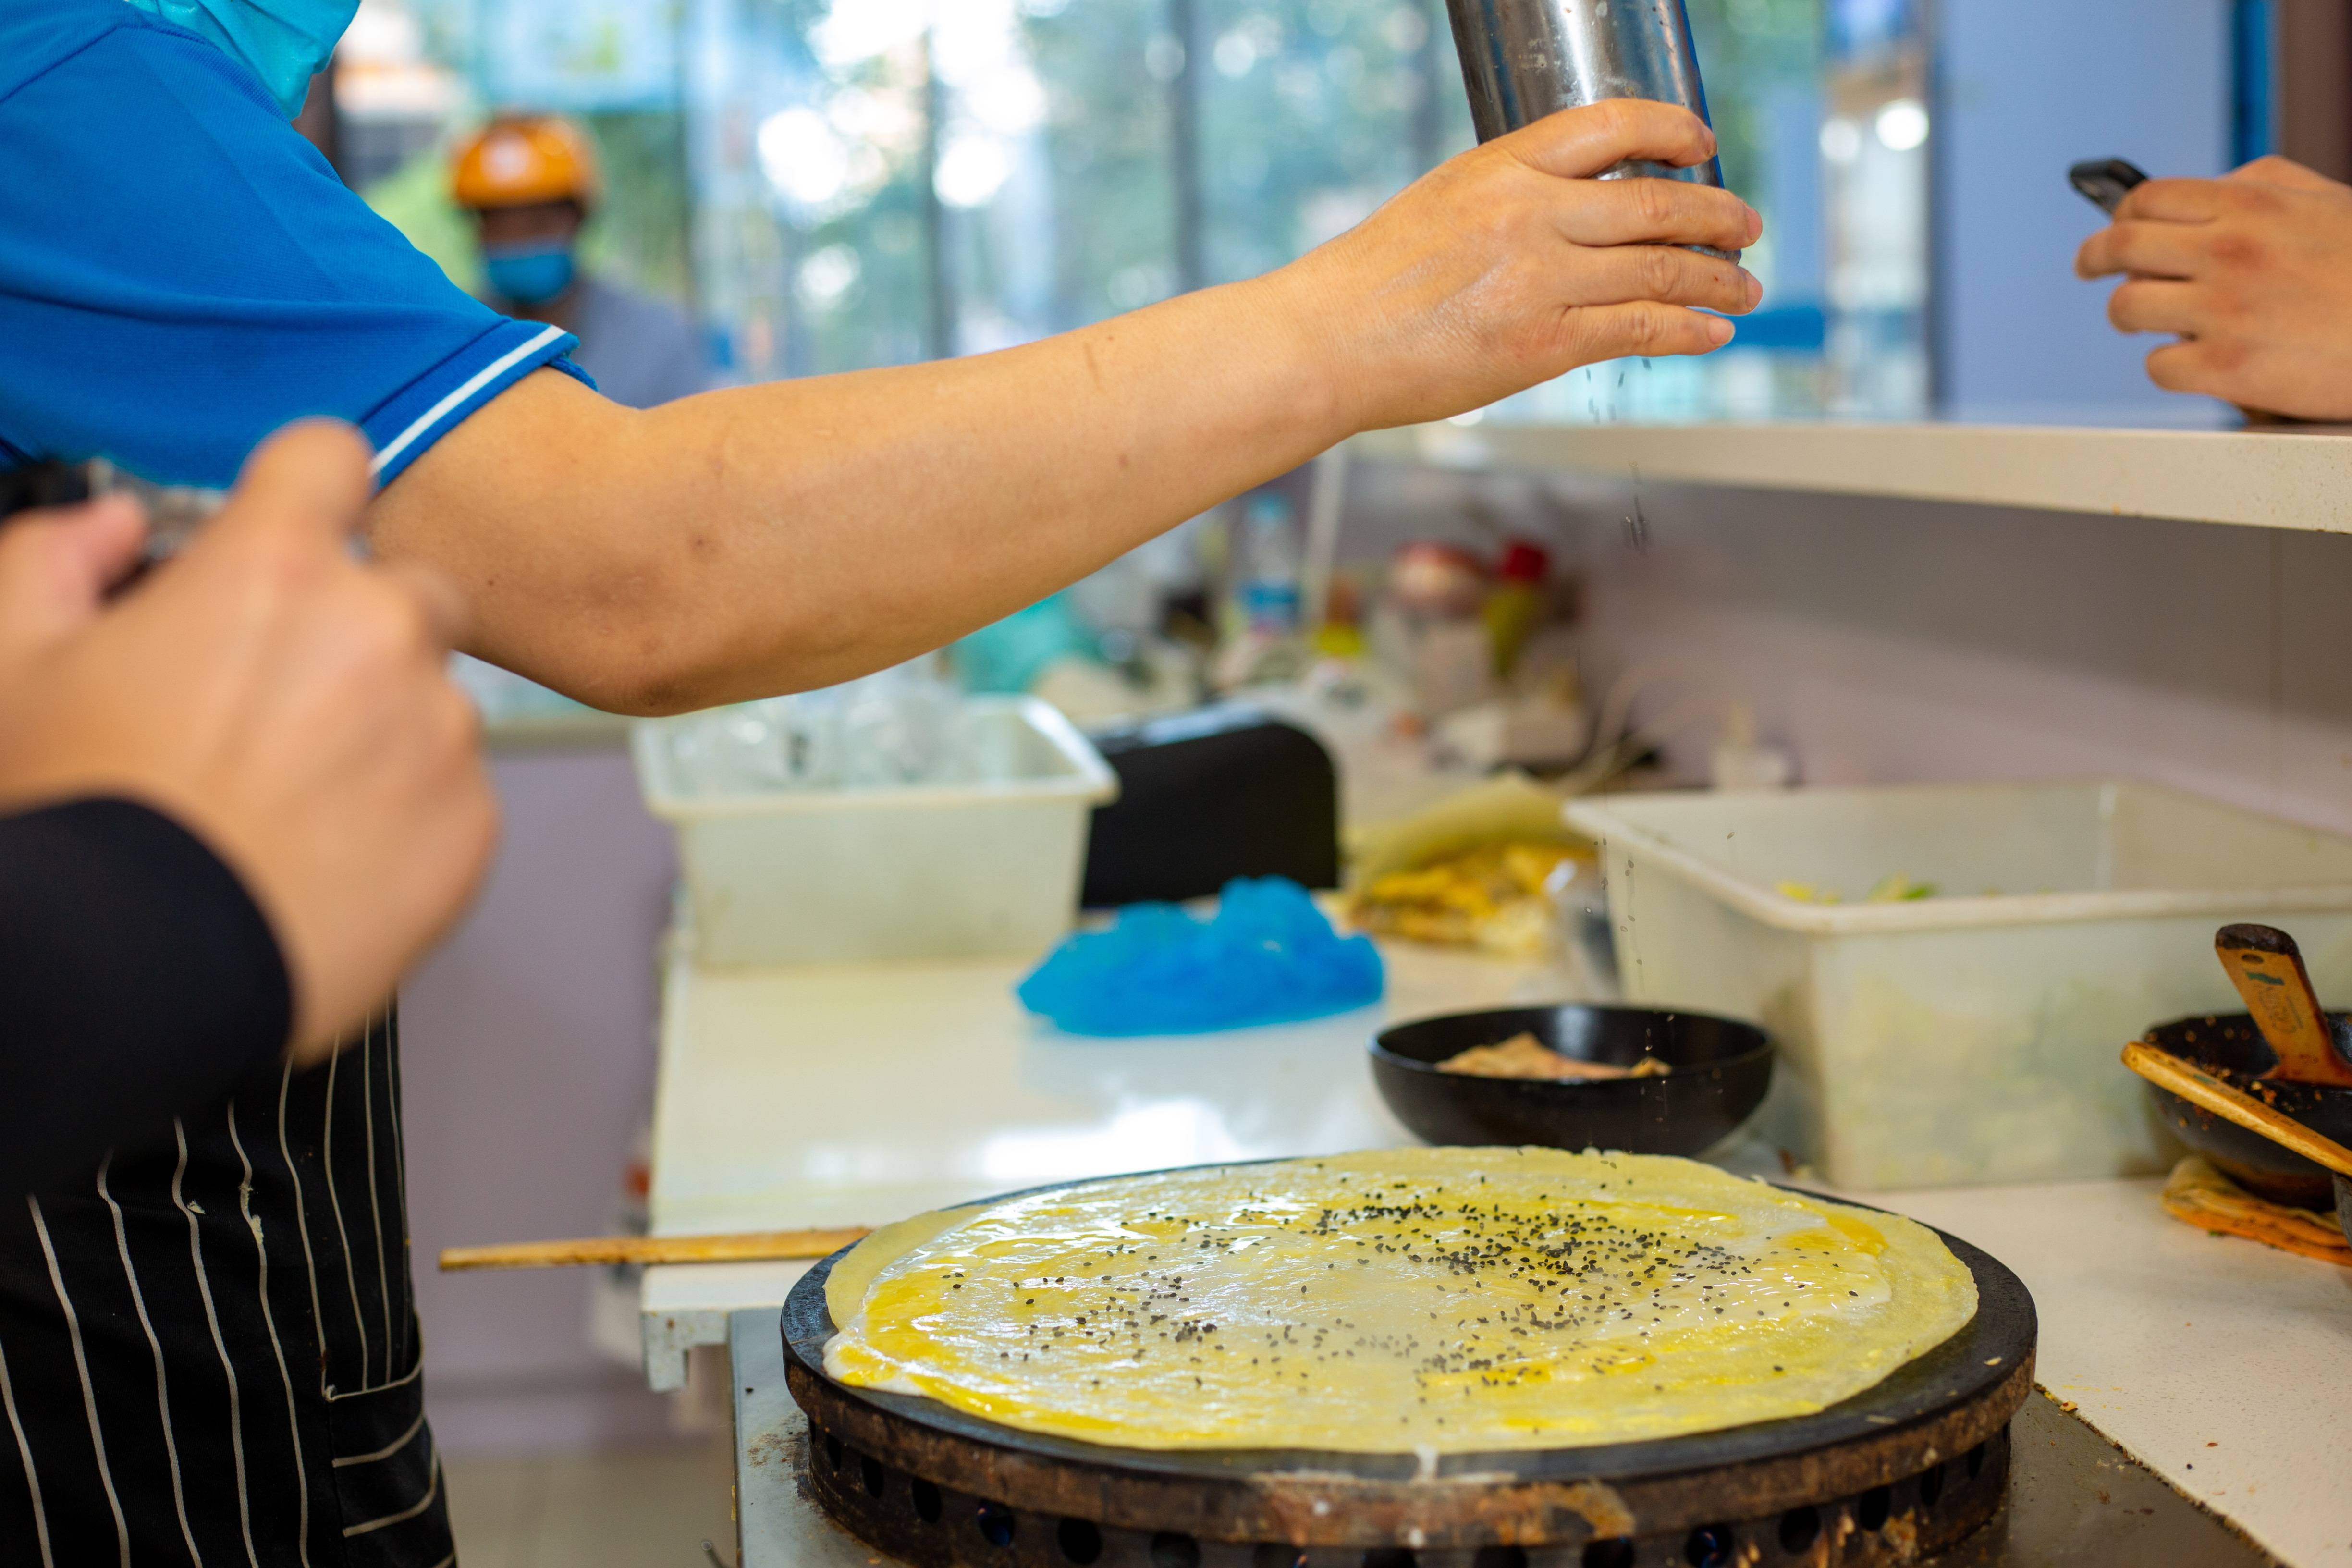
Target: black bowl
x=1721 y=1071
x=2344 y=1205
x=2228 y=1046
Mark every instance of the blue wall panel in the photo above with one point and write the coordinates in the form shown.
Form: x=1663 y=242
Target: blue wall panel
x=2028 y=87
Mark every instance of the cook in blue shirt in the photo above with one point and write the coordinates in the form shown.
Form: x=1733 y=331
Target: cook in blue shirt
x=208 y=1350
x=183 y=1371
x=179 y=275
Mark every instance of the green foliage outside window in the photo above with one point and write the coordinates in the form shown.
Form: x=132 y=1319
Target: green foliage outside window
x=1750 y=51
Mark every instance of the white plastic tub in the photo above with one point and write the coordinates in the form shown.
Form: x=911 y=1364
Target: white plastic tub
x=923 y=872
x=1970 y=1037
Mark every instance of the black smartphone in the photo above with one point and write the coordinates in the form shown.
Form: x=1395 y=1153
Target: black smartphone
x=174 y=511
x=2105 y=181
x=43 y=484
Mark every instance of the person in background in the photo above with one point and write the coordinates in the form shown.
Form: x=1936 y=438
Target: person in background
x=531 y=183
x=2252 y=275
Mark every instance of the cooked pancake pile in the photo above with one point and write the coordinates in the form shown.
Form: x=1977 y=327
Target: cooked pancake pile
x=1454 y=1299
x=1524 y=1056
x=1497 y=897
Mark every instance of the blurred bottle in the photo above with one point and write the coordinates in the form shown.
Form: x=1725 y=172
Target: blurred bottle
x=1259 y=626
x=1272 y=563
x=1742 y=760
x=906 y=725
x=1518 y=603
x=1428 y=627
x=1342 y=635
x=903 y=726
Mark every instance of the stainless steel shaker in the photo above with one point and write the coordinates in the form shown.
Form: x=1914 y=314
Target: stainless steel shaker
x=1523 y=60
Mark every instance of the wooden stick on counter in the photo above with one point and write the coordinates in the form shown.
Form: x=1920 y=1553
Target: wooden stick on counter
x=2230 y=1103
x=751 y=1247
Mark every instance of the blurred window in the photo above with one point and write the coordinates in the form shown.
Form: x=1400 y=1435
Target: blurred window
x=839 y=184
x=891 y=180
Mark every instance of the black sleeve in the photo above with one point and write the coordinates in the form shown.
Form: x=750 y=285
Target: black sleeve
x=138 y=981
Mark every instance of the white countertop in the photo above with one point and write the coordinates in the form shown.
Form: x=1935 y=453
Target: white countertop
x=859 y=1094
x=2278 y=478
x=855 y=1094
x=2218 y=1363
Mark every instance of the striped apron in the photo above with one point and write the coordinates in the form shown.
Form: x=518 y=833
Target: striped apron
x=209 y=1352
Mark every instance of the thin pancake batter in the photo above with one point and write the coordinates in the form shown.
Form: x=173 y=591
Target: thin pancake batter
x=1454 y=1299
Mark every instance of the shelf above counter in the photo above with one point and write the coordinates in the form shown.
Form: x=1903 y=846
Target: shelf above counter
x=2299 y=479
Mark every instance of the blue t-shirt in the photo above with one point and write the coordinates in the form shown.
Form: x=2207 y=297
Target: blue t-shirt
x=181 y=273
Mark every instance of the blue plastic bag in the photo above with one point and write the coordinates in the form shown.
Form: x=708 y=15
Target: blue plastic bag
x=1267 y=956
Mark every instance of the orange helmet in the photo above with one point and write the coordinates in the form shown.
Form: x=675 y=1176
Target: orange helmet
x=523 y=160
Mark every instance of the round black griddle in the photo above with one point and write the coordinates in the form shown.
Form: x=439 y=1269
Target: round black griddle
x=1901 y=1469
x=2228 y=1046
x=1721 y=1069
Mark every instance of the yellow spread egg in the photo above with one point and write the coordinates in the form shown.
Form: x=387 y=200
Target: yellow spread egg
x=1449 y=1300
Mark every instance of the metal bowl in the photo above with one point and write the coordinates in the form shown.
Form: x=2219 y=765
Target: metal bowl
x=1722 y=1068
x=2228 y=1046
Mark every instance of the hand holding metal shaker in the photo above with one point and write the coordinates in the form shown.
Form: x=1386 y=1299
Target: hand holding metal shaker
x=1523 y=60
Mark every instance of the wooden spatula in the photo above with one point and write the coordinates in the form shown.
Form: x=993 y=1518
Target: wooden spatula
x=2202 y=1088
x=755 y=1247
x=2267 y=969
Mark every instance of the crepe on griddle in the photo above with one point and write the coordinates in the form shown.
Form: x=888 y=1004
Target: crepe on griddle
x=1449 y=1300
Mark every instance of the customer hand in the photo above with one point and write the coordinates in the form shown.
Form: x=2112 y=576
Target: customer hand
x=2253 y=272
x=284 y=702
x=1510 y=265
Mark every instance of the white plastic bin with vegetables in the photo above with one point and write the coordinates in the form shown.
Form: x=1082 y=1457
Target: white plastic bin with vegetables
x=1962 y=1027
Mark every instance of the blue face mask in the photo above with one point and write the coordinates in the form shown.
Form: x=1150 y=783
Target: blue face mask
x=283 y=42
x=528 y=274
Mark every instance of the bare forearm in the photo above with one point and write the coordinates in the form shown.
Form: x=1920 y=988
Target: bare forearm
x=801 y=533
x=791 y=535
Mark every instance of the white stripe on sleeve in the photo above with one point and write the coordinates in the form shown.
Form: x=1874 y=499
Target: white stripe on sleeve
x=481 y=378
